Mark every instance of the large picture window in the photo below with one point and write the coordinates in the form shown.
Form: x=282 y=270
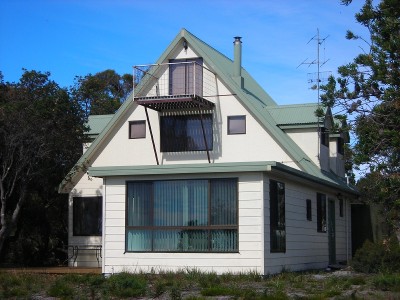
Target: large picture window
x=87 y=216
x=321 y=212
x=182 y=216
x=185 y=133
x=277 y=216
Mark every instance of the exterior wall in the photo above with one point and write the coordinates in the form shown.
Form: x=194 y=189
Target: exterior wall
x=307 y=140
x=255 y=145
x=343 y=232
x=250 y=233
x=86 y=258
x=306 y=248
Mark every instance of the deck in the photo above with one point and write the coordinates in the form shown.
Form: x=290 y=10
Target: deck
x=53 y=270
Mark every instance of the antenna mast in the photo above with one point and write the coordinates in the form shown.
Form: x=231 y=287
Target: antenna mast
x=318 y=79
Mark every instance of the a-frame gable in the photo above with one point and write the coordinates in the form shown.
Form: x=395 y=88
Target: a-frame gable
x=250 y=95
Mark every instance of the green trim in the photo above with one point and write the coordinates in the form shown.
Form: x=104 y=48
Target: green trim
x=235 y=167
x=181 y=169
x=297 y=126
x=324 y=178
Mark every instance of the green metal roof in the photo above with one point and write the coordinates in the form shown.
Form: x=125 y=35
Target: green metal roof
x=97 y=123
x=251 y=96
x=294 y=114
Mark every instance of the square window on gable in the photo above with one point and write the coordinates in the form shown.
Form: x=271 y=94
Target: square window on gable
x=137 y=129
x=236 y=124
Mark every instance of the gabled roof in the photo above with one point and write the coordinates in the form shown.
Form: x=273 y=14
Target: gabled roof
x=251 y=96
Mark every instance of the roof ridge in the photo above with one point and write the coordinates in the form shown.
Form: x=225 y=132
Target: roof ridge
x=203 y=42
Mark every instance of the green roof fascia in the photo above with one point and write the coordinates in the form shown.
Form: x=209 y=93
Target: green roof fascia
x=234 y=167
x=181 y=169
x=324 y=178
x=297 y=126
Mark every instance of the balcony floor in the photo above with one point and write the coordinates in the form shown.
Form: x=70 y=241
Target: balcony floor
x=174 y=102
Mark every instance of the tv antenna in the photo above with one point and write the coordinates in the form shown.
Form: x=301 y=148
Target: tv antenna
x=316 y=78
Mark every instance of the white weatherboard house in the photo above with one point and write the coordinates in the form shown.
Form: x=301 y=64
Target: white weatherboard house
x=200 y=168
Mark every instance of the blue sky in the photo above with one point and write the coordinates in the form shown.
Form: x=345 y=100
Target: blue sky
x=78 y=37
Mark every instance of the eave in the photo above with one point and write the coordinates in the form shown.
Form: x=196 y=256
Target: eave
x=324 y=179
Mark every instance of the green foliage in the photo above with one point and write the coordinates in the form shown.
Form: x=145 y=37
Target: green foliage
x=61 y=288
x=368 y=89
x=14 y=286
x=103 y=92
x=126 y=285
x=382 y=257
x=37 y=120
x=387 y=282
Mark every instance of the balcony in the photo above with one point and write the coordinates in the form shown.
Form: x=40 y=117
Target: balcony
x=173 y=86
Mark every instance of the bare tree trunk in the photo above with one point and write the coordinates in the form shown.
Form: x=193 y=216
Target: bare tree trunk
x=8 y=225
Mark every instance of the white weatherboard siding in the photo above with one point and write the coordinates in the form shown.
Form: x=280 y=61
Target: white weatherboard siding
x=306 y=248
x=250 y=233
x=86 y=187
x=343 y=239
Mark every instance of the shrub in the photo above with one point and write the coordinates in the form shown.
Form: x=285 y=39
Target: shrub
x=61 y=288
x=126 y=285
x=387 y=282
x=382 y=257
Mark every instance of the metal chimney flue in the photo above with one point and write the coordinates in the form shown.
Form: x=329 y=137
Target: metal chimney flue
x=237 y=60
x=237 y=57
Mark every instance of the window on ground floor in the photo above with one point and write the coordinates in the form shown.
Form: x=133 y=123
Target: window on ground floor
x=182 y=216
x=277 y=216
x=321 y=212
x=87 y=216
x=309 y=210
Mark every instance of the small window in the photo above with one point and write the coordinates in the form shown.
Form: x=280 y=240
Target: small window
x=340 y=146
x=236 y=124
x=321 y=212
x=87 y=216
x=137 y=129
x=309 y=212
x=324 y=136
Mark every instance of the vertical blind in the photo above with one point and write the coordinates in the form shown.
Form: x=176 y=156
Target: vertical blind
x=182 y=216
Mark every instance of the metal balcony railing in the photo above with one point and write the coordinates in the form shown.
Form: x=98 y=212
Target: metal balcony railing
x=176 y=85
